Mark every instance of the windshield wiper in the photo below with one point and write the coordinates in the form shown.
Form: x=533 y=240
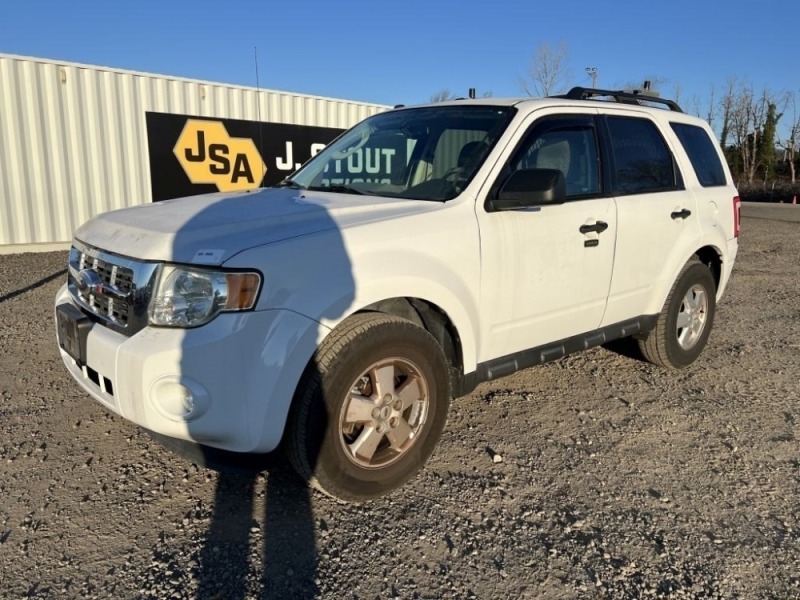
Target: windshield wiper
x=290 y=183
x=339 y=189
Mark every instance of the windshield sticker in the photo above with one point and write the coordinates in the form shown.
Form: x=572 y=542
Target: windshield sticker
x=208 y=257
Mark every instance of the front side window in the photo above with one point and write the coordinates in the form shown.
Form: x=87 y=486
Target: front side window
x=702 y=154
x=642 y=159
x=567 y=144
x=424 y=153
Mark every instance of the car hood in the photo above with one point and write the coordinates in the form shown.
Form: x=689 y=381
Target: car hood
x=210 y=229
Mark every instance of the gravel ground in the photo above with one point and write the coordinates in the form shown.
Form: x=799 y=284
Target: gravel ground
x=596 y=476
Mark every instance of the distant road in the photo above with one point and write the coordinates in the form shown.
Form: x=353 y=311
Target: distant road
x=789 y=213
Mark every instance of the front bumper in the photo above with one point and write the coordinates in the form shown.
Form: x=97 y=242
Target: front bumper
x=227 y=384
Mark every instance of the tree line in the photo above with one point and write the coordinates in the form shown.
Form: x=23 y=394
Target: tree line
x=758 y=129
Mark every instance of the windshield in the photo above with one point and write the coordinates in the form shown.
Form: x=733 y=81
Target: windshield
x=420 y=153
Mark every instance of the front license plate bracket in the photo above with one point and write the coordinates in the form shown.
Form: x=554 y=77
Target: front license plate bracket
x=73 y=329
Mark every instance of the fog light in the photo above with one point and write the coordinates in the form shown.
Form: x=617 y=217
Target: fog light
x=179 y=399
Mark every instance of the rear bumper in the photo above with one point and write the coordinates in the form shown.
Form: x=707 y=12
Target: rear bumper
x=727 y=266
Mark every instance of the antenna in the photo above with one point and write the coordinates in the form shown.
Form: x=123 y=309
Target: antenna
x=258 y=112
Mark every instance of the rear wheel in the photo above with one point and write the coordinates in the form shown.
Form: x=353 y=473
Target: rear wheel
x=370 y=408
x=685 y=321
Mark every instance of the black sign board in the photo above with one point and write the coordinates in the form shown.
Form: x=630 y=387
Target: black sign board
x=196 y=155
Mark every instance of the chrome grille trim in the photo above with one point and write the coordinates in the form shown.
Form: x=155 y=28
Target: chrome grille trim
x=135 y=279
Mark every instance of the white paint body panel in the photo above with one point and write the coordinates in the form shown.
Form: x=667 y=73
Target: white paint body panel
x=246 y=365
x=507 y=281
x=556 y=289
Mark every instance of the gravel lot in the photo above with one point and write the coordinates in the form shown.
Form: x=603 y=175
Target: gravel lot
x=617 y=480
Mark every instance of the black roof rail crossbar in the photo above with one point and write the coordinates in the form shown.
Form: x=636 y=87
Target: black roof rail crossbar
x=582 y=93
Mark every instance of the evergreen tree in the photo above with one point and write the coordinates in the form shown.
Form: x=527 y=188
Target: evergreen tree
x=766 y=156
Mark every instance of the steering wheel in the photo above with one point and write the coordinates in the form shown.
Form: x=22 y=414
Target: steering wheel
x=453 y=173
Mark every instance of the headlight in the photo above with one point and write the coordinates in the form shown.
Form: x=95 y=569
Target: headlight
x=188 y=297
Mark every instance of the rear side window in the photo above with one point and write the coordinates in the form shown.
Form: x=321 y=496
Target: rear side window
x=702 y=153
x=642 y=160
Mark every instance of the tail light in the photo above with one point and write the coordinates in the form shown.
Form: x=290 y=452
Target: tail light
x=737 y=216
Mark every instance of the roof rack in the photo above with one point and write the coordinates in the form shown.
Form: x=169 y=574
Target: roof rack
x=633 y=97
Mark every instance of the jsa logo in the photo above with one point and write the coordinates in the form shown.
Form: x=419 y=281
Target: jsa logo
x=209 y=155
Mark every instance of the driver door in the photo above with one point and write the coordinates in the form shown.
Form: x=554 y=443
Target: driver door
x=543 y=278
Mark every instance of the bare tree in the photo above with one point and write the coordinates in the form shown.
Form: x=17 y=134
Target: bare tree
x=656 y=84
x=748 y=113
x=791 y=143
x=726 y=104
x=747 y=117
x=711 y=108
x=704 y=107
x=548 y=70
x=443 y=95
x=652 y=85
x=677 y=90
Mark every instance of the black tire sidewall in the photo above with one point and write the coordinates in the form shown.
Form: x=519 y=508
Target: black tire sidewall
x=695 y=274
x=334 y=471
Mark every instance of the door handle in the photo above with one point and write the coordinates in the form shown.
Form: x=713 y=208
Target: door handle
x=598 y=227
x=681 y=214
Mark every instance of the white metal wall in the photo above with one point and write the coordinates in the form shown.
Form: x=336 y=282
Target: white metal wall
x=73 y=140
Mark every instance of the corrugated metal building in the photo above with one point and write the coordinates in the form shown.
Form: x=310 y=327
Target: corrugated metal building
x=74 y=138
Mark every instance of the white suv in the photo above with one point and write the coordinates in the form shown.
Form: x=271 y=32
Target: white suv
x=424 y=251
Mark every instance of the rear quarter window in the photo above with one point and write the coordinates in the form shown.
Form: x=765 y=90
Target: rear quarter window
x=702 y=153
x=642 y=160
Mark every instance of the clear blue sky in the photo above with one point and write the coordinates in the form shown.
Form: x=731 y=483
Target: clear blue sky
x=404 y=51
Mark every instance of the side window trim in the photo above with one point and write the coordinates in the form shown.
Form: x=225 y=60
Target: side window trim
x=610 y=162
x=587 y=120
x=606 y=155
x=700 y=161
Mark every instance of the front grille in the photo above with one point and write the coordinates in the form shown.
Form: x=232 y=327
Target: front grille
x=113 y=289
x=112 y=275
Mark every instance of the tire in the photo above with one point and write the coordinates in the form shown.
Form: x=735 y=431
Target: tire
x=685 y=322
x=369 y=409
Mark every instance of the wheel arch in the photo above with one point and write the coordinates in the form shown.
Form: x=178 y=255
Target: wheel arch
x=709 y=255
x=321 y=416
x=436 y=321
x=663 y=345
x=712 y=258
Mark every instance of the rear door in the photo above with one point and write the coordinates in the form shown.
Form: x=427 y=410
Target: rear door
x=657 y=224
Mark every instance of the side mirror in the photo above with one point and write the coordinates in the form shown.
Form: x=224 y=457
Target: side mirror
x=531 y=187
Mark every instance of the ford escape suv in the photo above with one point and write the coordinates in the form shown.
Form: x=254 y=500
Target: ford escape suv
x=424 y=251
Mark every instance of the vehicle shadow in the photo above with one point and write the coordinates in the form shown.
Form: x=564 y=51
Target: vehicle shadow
x=627 y=347
x=44 y=280
x=235 y=537
x=273 y=554
x=261 y=522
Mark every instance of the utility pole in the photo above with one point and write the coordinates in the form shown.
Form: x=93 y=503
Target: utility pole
x=592 y=71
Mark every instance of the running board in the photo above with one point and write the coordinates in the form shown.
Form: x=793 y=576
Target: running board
x=505 y=365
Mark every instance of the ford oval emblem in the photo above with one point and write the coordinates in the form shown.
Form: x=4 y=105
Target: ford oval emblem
x=88 y=281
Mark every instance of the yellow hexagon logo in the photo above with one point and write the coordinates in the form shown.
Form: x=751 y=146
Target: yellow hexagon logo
x=209 y=155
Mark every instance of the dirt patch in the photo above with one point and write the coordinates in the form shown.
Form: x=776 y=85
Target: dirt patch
x=615 y=478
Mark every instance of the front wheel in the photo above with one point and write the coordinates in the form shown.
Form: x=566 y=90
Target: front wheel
x=370 y=407
x=684 y=323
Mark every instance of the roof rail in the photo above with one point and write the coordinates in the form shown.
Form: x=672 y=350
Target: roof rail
x=634 y=97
